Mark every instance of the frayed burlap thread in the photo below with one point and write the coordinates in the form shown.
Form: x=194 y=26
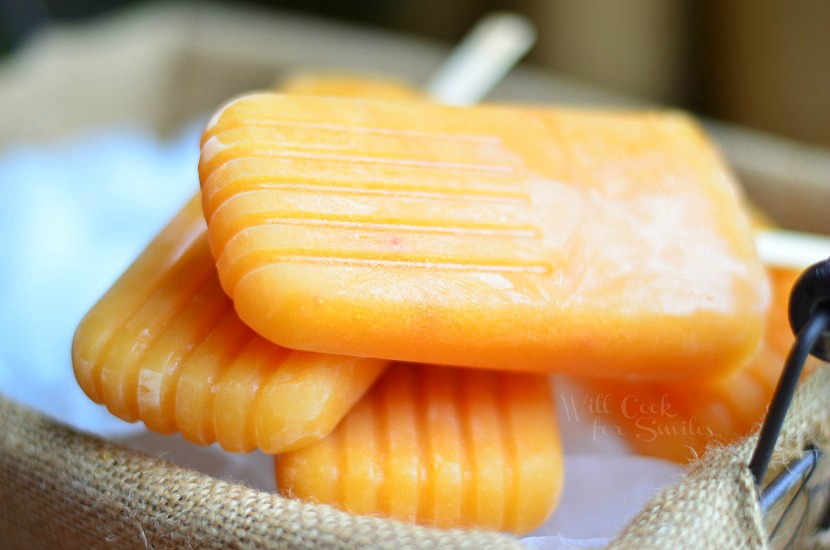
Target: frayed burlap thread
x=715 y=505
x=63 y=489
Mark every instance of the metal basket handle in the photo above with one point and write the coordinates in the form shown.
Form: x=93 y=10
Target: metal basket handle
x=797 y=501
x=809 y=315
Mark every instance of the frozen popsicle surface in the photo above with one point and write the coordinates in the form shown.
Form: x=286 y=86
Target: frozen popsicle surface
x=677 y=421
x=439 y=446
x=493 y=237
x=165 y=346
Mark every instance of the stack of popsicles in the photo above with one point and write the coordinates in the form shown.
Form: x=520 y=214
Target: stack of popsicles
x=377 y=290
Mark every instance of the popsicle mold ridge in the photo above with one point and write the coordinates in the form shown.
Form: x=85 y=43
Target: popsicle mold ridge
x=165 y=346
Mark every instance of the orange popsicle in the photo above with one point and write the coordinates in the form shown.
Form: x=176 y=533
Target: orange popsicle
x=677 y=421
x=165 y=346
x=327 y=83
x=439 y=446
x=488 y=237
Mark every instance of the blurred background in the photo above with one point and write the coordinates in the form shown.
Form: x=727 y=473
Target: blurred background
x=103 y=101
x=761 y=63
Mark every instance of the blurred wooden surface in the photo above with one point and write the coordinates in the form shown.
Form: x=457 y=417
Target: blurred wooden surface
x=769 y=65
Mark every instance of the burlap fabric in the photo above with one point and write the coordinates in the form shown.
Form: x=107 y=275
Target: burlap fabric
x=64 y=489
x=715 y=505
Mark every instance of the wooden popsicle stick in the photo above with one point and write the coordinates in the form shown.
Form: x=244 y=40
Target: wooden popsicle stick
x=791 y=249
x=482 y=59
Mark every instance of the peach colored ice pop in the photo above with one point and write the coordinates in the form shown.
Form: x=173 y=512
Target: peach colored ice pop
x=439 y=446
x=539 y=240
x=165 y=346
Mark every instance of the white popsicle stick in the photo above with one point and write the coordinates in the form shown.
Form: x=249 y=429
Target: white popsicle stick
x=791 y=249
x=481 y=60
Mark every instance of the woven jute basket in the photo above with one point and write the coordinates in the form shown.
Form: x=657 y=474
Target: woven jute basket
x=60 y=488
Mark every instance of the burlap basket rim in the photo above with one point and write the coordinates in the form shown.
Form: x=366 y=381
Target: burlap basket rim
x=69 y=489
x=80 y=490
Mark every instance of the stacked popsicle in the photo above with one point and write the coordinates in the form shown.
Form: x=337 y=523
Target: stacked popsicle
x=347 y=240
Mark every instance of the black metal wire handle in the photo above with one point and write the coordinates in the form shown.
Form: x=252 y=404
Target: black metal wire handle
x=809 y=314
